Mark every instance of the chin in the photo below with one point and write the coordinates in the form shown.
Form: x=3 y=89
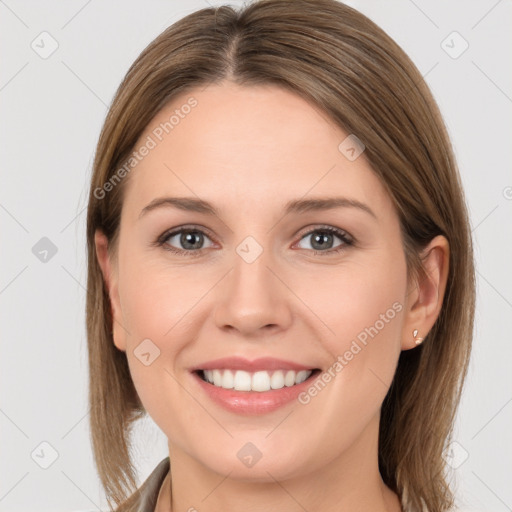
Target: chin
x=255 y=462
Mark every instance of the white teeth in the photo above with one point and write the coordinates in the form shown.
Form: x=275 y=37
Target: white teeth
x=228 y=380
x=242 y=381
x=258 y=381
x=302 y=376
x=277 y=380
x=217 y=378
x=289 y=379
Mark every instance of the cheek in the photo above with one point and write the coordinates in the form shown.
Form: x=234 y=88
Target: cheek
x=157 y=298
x=369 y=317
x=165 y=304
x=363 y=309
x=359 y=301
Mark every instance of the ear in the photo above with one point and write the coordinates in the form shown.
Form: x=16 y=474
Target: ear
x=425 y=295
x=110 y=277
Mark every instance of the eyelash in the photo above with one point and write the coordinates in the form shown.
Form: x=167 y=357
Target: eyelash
x=162 y=239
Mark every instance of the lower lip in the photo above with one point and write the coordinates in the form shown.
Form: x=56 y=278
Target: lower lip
x=254 y=402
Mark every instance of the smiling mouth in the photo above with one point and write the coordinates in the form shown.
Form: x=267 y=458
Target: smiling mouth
x=260 y=381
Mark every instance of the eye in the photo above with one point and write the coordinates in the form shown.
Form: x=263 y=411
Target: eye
x=191 y=239
x=322 y=240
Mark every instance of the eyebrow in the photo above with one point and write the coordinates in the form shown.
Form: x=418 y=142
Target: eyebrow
x=192 y=204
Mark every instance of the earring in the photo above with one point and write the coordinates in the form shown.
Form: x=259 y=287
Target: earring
x=418 y=340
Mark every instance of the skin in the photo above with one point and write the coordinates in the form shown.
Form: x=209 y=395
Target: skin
x=248 y=150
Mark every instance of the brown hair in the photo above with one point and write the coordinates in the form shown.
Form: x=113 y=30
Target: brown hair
x=337 y=58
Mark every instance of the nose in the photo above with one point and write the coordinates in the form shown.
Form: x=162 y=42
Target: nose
x=253 y=298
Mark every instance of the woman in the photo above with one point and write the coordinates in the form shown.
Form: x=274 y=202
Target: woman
x=280 y=268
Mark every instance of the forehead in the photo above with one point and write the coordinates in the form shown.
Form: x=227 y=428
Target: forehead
x=227 y=143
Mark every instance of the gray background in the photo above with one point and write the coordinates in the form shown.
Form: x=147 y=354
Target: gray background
x=52 y=110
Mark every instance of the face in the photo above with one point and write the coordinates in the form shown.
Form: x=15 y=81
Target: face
x=308 y=288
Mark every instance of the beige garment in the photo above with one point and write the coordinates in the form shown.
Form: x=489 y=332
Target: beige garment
x=145 y=497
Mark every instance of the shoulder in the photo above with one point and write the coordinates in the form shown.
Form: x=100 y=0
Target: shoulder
x=145 y=497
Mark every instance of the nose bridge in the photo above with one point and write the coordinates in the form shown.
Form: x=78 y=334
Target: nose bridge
x=251 y=268
x=253 y=296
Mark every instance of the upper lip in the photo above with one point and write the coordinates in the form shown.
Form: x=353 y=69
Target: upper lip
x=260 y=364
